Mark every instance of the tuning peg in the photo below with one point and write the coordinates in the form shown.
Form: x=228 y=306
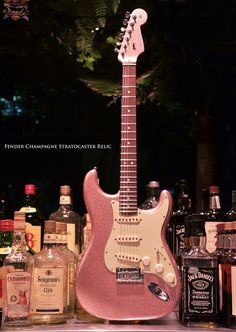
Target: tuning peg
x=118 y=43
x=134 y=17
x=116 y=50
x=127 y=15
x=120 y=36
x=122 y=29
x=125 y=22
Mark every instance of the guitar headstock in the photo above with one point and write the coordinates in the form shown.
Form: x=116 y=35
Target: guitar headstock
x=131 y=44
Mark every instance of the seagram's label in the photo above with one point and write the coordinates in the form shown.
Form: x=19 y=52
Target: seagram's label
x=200 y=295
x=48 y=290
x=18 y=284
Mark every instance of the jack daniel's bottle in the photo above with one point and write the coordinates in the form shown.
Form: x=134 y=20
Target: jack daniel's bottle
x=200 y=297
x=182 y=209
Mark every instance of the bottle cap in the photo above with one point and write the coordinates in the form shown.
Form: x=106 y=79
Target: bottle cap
x=214 y=189
x=65 y=190
x=50 y=226
x=6 y=225
x=197 y=225
x=154 y=184
x=30 y=189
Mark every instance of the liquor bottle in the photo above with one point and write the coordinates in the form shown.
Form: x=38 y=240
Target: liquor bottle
x=49 y=296
x=66 y=214
x=231 y=214
x=6 y=237
x=153 y=194
x=199 y=280
x=229 y=282
x=34 y=219
x=177 y=220
x=213 y=217
x=61 y=231
x=186 y=241
x=17 y=281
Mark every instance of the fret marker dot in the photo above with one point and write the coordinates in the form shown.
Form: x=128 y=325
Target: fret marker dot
x=128 y=142
x=128 y=127
x=129 y=91
x=128 y=111
x=132 y=162
x=127 y=179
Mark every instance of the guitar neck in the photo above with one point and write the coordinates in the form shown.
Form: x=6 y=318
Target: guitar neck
x=128 y=157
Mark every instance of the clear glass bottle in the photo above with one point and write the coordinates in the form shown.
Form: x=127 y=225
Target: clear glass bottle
x=229 y=282
x=66 y=214
x=34 y=219
x=17 y=281
x=213 y=217
x=6 y=238
x=61 y=231
x=153 y=194
x=50 y=278
x=183 y=208
x=231 y=214
x=199 y=280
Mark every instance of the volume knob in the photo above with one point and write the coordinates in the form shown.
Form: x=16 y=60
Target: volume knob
x=146 y=260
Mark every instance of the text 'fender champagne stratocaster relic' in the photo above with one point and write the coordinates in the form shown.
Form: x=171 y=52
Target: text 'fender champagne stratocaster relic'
x=128 y=271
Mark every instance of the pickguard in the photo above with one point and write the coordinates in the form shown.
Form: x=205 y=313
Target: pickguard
x=135 y=242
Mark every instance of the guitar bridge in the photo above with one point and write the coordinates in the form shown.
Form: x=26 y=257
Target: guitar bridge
x=129 y=275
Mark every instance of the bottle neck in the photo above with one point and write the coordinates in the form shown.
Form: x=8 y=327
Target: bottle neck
x=198 y=242
x=19 y=242
x=214 y=202
x=30 y=200
x=49 y=240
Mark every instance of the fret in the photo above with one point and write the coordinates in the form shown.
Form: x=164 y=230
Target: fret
x=127 y=123
x=128 y=96
x=129 y=139
x=128 y=115
x=129 y=76
x=129 y=86
x=133 y=182
x=128 y=153
x=129 y=106
x=129 y=131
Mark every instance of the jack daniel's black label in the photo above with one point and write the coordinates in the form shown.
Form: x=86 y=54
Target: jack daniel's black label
x=200 y=291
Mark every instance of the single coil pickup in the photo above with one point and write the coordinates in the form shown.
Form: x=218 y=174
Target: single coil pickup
x=128 y=239
x=129 y=275
x=128 y=257
x=128 y=220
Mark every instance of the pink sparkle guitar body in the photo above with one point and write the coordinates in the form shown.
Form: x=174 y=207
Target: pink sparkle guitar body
x=128 y=271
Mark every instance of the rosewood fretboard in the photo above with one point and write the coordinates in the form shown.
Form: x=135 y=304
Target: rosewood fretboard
x=128 y=157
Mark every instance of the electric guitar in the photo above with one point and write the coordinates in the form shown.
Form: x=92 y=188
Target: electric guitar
x=128 y=271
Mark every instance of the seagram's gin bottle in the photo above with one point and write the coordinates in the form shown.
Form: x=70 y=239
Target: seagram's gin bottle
x=49 y=296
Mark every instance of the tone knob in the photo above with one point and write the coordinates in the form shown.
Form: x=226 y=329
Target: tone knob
x=159 y=268
x=170 y=277
x=146 y=260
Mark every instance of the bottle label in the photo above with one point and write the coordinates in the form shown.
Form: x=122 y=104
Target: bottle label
x=233 y=288
x=18 y=285
x=50 y=238
x=65 y=200
x=200 y=295
x=48 y=294
x=211 y=234
x=179 y=238
x=5 y=251
x=71 y=236
x=3 y=271
x=220 y=288
x=33 y=236
x=28 y=209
